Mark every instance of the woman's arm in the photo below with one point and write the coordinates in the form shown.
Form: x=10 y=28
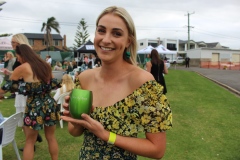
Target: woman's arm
x=153 y=146
x=148 y=66
x=165 y=69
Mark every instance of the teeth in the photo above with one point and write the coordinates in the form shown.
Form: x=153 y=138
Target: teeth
x=107 y=49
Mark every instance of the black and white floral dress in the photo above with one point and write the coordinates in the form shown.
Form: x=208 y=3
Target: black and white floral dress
x=41 y=109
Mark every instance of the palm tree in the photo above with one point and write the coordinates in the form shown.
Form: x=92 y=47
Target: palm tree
x=51 y=24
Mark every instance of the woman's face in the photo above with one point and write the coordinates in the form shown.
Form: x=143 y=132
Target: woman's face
x=19 y=58
x=111 y=38
x=14 y=43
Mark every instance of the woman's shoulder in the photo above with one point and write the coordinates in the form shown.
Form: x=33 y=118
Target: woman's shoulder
x=88 y=74
x=23 y=67
x=140 y=76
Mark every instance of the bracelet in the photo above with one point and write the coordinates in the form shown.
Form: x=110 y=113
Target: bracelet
x=112 y=138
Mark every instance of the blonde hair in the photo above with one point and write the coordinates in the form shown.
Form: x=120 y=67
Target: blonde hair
x=21 y=39
x=68 y=82
x=10 y=53
x=125 y=16
x=59 y=64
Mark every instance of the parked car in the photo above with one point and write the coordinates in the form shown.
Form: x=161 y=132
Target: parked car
x=174 y=61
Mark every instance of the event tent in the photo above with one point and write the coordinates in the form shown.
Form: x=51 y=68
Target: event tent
x=162 y=50
x=5 y=44
x=146 y=50
x=88 y=47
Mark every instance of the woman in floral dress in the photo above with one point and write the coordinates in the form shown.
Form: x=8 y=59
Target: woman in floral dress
x=33 y=78
x=126 y=99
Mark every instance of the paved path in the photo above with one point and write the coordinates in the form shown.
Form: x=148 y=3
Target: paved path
x=229 y=79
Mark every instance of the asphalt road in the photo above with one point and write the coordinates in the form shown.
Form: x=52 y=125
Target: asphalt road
x=229 y=79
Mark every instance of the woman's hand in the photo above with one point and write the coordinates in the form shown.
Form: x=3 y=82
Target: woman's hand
x=76 y=126
x=92 y=125
x=6 y=71
x=66 y=107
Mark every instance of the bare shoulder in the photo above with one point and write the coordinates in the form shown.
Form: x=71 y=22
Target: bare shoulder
x=87 y=75
x=22 y=71
x=25 y=67
x=139 y=76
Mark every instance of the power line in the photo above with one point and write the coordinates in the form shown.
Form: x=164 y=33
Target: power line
x=166 y=29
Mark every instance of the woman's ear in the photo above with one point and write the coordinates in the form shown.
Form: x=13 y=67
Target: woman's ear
x=128 y=42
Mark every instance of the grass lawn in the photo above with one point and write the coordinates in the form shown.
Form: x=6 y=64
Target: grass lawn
x=205 y=123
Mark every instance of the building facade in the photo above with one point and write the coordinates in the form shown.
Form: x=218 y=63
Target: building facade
x=38 y=43
x=202 y=54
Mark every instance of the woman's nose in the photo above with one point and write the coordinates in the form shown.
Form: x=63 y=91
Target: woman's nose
x=107 y=38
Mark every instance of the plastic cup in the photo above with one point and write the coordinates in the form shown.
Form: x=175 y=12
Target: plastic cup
x=80 y=102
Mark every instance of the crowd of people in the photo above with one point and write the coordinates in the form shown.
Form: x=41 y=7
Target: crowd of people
x=127 y=100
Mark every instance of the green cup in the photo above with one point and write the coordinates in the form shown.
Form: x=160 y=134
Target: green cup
x=80 y=102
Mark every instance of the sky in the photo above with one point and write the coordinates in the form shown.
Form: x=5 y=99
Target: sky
x=210 y=21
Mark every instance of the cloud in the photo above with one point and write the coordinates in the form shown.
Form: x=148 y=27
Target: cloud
x=212 y=21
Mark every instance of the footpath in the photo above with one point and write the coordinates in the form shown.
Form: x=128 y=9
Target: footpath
x=229 y=79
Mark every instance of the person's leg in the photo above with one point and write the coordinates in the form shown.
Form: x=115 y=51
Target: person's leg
x=31 y=135
x=52 y=141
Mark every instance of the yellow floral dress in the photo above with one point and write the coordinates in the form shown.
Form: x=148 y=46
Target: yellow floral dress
x=145 y=110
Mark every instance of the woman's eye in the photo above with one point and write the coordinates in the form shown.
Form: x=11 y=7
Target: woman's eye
x=101 y=30
x=117 y=34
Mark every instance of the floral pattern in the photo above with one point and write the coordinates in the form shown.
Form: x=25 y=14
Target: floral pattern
x=41 y=109
x=145 y=110
x=77 y=83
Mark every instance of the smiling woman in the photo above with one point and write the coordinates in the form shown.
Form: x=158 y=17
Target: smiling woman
x=126 y=99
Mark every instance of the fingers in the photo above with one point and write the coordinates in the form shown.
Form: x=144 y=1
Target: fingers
x=67 y=98
x=75 y=121
x=66 y=106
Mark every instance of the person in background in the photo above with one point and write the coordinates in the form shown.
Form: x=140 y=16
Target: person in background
x=91 y=60
x=64 y=65
x=74 y=64
x=126 y=99
x=20 y=99
x=10 y=60
x=49 y=60
x=69 y=67
x=157 y=68
x=86 y=59
x=147 y=59
x=76 y=80
x=98 y=64
x=67 y=86
x=5 y=60
x=187 y=61
x=28 y=79
x=58 y=66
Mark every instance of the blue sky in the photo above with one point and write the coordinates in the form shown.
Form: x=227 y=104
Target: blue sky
x=216 y=21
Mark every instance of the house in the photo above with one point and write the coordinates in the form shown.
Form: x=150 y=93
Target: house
x=38 y=43
x=202 y=54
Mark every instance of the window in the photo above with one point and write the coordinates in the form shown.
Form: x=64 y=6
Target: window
x=44 y=43
x=153 y=44
x=171 y=46
x=55 y=43
x=31 y=42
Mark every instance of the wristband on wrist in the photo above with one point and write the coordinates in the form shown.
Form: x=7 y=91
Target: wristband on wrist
x=112 y=138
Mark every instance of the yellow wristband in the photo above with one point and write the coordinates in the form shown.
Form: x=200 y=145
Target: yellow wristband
x=112 y=138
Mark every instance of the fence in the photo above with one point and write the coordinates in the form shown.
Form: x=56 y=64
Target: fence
x=220 y=65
